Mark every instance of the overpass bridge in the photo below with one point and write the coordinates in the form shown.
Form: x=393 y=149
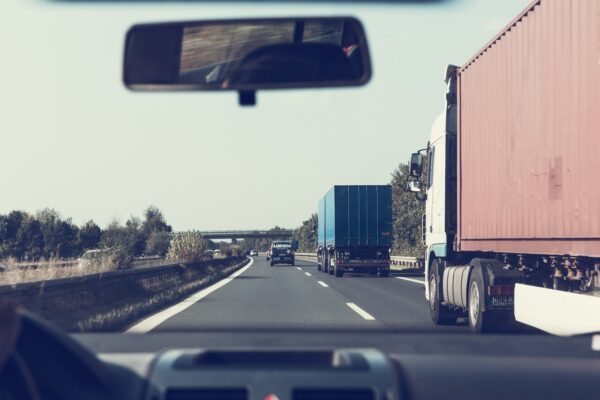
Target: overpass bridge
x=254 y=234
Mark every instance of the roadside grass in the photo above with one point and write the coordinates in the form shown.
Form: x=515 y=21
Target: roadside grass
x=13 y=272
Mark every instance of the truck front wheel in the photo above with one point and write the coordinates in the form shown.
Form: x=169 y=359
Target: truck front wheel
x=479 y=320
x=440 y=314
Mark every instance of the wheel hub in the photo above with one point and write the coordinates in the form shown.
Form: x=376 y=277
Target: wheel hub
x=432 y=292
x=474 y=303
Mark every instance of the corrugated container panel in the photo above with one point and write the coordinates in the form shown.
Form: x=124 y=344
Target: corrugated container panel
x=529 y=135
x=356 y=216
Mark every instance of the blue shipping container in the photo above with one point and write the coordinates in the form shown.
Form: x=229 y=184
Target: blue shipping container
x=356 y=216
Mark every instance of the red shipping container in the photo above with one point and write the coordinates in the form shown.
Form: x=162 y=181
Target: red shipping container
x=529 y=135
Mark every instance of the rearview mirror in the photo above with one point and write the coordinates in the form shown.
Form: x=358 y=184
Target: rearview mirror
x=247 y=55
x=416 y=165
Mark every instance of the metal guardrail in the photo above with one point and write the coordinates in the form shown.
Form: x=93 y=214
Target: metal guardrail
x=138 y=261
x=411 y=262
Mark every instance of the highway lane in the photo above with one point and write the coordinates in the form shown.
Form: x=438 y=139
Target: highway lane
x=299 y=296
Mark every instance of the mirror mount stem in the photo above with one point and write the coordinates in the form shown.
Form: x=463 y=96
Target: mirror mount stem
x=247 y=98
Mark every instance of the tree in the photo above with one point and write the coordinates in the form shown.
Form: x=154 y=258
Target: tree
x=407 y=211
x=9 y=227
x=306 y=235
x=90 y=235
x=136 y=239
x=154 y=221
x=128 y=237
x=60 y=236
x=158 y=243
x=29 y=242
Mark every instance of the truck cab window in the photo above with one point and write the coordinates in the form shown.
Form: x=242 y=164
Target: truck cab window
x=431 y=158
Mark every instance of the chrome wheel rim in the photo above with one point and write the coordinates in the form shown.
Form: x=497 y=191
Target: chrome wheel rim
x=474 y=303
x=432 y=292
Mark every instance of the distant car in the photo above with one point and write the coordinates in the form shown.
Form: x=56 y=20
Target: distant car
x=208 y=253
x=282 y=252
x=92 y=258
x=253 y=253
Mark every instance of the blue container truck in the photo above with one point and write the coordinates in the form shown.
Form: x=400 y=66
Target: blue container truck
x=355 y=230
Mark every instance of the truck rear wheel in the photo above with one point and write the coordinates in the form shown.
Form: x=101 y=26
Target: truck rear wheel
x=338 y=272
x=440 y=314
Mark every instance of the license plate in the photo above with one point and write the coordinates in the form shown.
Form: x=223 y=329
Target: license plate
x=502 y=301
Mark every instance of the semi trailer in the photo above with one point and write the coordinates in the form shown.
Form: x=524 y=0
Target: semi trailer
x=512 y=184
x=355 y=230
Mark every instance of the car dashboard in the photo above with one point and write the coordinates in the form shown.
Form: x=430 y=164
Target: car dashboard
x=306 y=364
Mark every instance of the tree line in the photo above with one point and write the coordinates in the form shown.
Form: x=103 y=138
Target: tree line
x=47 y=235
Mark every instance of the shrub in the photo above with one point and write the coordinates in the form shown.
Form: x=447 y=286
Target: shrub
x=186 y=246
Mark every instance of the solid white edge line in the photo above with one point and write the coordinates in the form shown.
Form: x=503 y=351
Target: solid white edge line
x=151 y=322
x=361 y=312
x=323 y=284
x=307 y=273
x=411 y=280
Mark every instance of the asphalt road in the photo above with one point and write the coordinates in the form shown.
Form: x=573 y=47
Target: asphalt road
x=299 y=296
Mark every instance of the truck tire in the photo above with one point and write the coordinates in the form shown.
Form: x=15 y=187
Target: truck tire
x=440 y=314
x=293 y=262
x=331 y=270
x=272 y=263
x=479 y=320
x=338 y=272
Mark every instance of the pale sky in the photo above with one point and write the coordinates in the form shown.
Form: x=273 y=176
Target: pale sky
x=74 y=139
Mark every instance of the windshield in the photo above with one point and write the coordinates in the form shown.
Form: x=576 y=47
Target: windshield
x=104 y=182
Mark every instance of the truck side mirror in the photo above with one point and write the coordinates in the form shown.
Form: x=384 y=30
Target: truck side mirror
x=416 y=165
x=414 y=186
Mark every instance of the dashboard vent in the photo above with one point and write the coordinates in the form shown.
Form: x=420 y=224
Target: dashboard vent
x=333 y=394
x=207 y=394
